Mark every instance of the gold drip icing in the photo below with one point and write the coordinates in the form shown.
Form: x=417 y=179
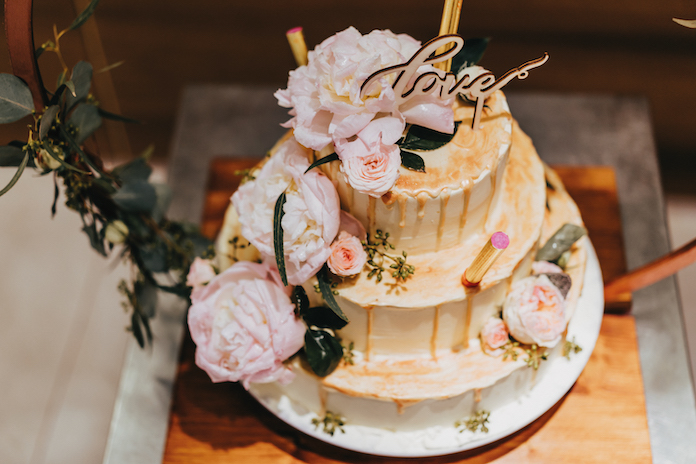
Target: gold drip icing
x=477 y=395
x=436 y=327
x=323 y=397
x=370 y=320
x=401 y=405
x=422 y=198
x=402 y=210
x=444 y=199
x=467 y=320
x=462 y=220
x=371 y=211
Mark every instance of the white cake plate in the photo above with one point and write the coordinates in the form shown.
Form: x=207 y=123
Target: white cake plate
x=559 y=377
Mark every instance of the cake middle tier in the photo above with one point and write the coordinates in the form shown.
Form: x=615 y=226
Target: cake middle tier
x=431 y=309
x=452 y=200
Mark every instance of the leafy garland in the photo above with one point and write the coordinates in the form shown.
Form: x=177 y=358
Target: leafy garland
x=118 y=206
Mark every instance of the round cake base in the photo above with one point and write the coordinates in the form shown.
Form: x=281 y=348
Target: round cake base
x=559 y=376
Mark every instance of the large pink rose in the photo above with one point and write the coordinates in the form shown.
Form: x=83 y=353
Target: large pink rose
x=311 y=212
x=534 y=312
x=494 y=335
x=244 y=326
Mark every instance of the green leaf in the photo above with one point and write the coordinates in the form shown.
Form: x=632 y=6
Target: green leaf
x=11 y=156
x=84 y=16
x=327 y=292
x=47 y=120
x=146 y=295
x=96 y=240
x=117 y=117
x=324 y=160
x=16 y=101
x=86 y=119
x=322 y=317
x=135 y=170
x=690 y=23
x=38 y=52
x=164 y=198
x=76 y=147
x=81 y=79
x=17 y=175
x=136 y=197
x=56 y=192
x=154 y=257
x=323 y=351
x=424 y=139
x=300 y=299
x=278 y=237
x=60 y=80
x=560 y=242
x=412 y=161
x=70 y=85
x=470 y=54
x=136 y=329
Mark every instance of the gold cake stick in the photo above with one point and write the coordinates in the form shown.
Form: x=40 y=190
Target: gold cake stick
x=298 y=45
x=449 y=25
x=485 y=259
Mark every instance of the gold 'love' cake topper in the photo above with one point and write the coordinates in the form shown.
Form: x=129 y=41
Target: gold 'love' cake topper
x=446 y=84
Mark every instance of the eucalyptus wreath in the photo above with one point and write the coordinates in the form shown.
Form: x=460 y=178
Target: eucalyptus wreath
x=121 y=210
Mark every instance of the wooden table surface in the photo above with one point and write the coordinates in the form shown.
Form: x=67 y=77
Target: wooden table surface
x=602 y=419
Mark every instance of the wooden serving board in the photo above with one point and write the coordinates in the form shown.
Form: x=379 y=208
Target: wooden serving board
x=602 y=419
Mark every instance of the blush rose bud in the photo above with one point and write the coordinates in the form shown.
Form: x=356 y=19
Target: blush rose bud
x=116 y=232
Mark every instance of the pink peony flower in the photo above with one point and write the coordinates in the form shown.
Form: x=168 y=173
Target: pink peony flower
x=494 y=335
x=311 y=212
x=244 y=326
x=347 y=255
x=351 y=225
x=325 y=102
x=534 y=312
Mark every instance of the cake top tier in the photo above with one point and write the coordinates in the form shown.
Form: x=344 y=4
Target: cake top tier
x=470 y=152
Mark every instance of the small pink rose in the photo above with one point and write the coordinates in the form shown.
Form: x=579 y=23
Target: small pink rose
x=347 y=255
x=535 y=312
x=244 y=326
x=494 y=335
x=372 y=170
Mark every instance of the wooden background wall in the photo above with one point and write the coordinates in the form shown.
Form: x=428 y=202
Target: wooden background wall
x=616 y=46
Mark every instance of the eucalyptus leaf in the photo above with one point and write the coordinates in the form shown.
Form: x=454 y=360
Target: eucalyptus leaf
x=11 y=156
x=324 y=160
x=95 y=239
x=70 y=85
x=146 y=295
x=136 y=197
x=76 y=147
x=84 y=16
x=300 y=299
x=105 y=185
x=117 y=117
x=82 y=81
x=86 y=119
x=136 y=329
x=135 y=170
x=323 y=317
x=154 y=257
x=327 y=292
x=560 y=242
x=164 y=198
x=55 y=99
x=424 y=139
x=18 y=174
x=47 y=120
x=52 y=154
x=323 y=351
x=278 y=237
x=412 y=161
x=470 y=54
x=562 y=281
x=38 y=52
x=16 y=101
x=60 y=80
